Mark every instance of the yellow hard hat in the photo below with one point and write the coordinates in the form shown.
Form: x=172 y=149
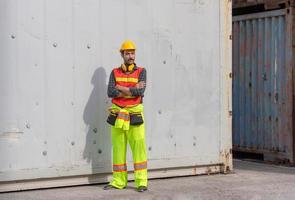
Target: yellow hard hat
x=128 y=45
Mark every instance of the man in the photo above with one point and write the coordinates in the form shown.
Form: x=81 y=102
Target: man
x=126 y=88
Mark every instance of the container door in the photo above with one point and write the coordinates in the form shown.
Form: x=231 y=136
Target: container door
x=262 y=99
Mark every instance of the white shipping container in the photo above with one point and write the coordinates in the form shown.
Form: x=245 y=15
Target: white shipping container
x=55 y=60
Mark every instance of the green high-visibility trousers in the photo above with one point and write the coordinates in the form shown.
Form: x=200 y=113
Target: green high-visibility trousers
x=135 y=136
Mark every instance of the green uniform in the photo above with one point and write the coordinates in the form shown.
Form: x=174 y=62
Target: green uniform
x=123 y=132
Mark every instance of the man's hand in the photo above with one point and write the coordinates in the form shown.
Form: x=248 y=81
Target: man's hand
x=120 y=95
x=140 y=85
x=118 y=87
x=124 y=90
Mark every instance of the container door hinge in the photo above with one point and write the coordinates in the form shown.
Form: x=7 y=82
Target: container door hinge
x=230 y=75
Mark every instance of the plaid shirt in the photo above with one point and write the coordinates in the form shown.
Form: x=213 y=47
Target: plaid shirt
x=113 y=92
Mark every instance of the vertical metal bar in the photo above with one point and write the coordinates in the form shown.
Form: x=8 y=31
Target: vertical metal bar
x=285 y=98
x=247 y=75
x=272 y=80
x=242 y=82
x=266 y=89
x=277 y=52
x=254 y=88
x=281 y=71
x=291 y=60
x=260 y=80
x=236 y=58
x=288 y=133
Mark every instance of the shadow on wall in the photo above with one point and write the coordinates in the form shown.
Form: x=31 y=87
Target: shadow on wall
x=97 y=149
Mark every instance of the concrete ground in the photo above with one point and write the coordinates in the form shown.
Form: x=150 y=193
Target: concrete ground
x=250 y=181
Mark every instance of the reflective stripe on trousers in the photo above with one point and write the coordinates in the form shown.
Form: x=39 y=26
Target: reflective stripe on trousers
x=120 y=167
x=140 y=166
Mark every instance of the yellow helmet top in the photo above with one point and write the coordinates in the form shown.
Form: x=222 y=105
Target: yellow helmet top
x=128 y=45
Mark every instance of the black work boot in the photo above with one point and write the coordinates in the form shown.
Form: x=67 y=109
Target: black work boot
x=109 y=187
x=141 y=189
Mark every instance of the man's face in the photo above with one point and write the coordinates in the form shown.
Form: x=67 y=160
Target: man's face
x=128 y=56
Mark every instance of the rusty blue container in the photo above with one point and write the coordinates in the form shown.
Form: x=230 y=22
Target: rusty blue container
x=262 y=84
